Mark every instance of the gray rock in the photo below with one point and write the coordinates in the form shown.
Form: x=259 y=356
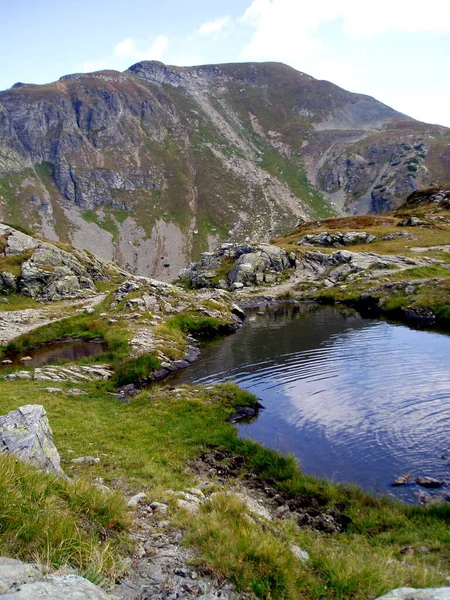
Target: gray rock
x=26 y=434
x=413 y=222
x=14 y=573
x=302 y=555
x=429 y=482
x=8 y=283
x=257 y=267
x=137 y=499
x=86 y=460
x=67 y=587
x=19 y=243
x=336 y=239
x=403 y=479
x=417 y=594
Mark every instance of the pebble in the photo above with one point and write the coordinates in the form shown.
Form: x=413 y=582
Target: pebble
x=137 y=499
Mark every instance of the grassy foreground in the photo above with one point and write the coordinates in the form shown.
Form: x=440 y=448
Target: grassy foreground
x=146 y=445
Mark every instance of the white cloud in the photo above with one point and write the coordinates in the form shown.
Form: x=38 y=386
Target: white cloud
x=156 y=50
x=214 y=28
x=283 y=25
x=132 y=49
x=89 y=66
x=125 y=48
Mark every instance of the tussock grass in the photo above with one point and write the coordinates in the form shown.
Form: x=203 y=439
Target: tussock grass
x=55 y=522
x=237 y=548
x=146 y=444
x=195 y=324
x=135 y=370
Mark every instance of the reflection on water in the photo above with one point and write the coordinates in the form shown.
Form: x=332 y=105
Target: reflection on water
x=353 y=399
x=69 y=350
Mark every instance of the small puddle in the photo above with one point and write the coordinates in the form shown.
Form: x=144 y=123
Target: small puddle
x=70 y=350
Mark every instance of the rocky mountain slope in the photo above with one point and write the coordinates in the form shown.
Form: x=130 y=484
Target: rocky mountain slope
x=151 y=166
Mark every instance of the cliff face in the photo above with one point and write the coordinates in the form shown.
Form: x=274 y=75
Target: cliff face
x=155 y=164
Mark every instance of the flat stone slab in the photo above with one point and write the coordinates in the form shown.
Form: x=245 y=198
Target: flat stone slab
x=417 y=594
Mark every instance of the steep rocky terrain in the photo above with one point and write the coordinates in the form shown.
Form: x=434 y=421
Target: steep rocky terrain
x=151 y=166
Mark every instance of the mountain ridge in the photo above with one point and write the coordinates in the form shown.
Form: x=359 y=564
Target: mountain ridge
x=153 y=165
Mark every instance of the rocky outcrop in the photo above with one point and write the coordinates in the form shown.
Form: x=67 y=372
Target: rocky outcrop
x=334 y=239
x=248 y=265
x=26 y=434
x=23 y=581
x=344 y=265
x=413 y=222
x=47 y=272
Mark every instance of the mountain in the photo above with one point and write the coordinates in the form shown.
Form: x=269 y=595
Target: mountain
x=153 y=165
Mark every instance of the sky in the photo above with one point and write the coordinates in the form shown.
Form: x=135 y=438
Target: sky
x=394 y=50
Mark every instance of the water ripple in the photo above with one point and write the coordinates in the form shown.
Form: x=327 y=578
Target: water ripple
x=353 y=399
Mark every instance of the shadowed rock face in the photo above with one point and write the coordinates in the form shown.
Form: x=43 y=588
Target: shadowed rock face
x=26 y=434
x=160 y=162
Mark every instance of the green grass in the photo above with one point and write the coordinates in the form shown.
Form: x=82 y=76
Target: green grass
x=55 y=522
x=195 y=324
x=18 y=302
x=147 y=443
x=295 y=177
x=13 y=264
x=135 y=370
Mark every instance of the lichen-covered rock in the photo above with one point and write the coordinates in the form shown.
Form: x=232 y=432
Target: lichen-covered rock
x=417 y=594
x=413 y=222
x=343 y=264
x=26 y=434
x=254 y=265
x=14 y=574
x=47 y=271
x=336 y=239
x=23 y=581
x=8 y=283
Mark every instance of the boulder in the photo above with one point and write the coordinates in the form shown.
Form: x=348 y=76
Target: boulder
x=26 y=434
x=429 y=482
x=254 y=265
x=52 y=274
x=404 y=479
x=413 y=222
x=258 y=266
x=23 y=581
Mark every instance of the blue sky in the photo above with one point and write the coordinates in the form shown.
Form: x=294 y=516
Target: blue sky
x=395 y=50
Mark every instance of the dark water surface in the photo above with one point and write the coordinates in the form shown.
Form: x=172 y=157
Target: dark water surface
x=353 y=399
x=69 y=350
